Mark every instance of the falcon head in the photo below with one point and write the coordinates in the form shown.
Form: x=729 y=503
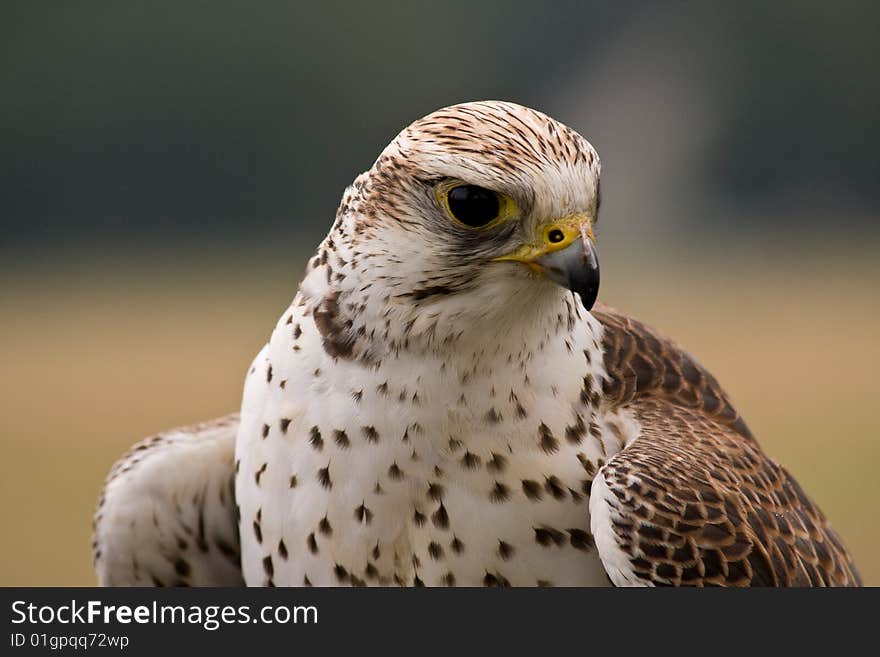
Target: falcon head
x=473 y=211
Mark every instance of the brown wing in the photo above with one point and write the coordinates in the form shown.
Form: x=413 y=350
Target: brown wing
x=693 y=500
x=642 y=363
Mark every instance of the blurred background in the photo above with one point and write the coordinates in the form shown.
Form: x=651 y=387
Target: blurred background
x=167 y=168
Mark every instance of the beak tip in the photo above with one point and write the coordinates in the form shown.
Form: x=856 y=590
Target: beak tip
x=577 y=268
x=589 y=296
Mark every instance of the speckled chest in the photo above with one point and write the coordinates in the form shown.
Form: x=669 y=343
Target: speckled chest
x=420 y=471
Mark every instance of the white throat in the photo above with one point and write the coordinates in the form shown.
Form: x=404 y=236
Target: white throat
x=402 y=434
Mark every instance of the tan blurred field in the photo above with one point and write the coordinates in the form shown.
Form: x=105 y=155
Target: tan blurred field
x=94 y=358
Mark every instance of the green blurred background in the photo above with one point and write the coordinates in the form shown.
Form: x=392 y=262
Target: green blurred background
x=166 y=169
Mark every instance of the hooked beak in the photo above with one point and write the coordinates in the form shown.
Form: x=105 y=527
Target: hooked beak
x=566 y=255
x=576 y=267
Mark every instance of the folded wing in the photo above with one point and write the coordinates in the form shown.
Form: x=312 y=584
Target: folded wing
x=167 y=513
x=693 y=500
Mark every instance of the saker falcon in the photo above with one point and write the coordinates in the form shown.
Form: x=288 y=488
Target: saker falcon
x=443 y=403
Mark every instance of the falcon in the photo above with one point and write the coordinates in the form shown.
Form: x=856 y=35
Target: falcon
x=444 y=403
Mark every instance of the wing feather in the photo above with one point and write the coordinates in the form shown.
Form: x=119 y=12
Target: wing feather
x=693 y=500
x=642 y=363
x=167 y=513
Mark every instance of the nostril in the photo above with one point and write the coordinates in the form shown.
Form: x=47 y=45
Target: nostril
x=555 y=236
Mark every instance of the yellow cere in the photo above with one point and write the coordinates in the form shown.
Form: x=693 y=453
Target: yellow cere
x=571 y=227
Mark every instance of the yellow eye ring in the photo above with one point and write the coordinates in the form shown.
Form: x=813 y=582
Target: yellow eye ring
x=474 y=207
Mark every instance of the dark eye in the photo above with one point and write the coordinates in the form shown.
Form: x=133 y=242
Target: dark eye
x=473 y=206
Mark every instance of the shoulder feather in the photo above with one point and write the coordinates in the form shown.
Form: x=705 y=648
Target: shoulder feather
x=167 y=513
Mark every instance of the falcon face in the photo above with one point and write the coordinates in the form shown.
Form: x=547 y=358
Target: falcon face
x=435 y=407
x=473 y=211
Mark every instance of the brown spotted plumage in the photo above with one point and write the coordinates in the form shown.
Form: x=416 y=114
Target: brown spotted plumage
x=185 y=478
x=641 y=363
x=693 y=501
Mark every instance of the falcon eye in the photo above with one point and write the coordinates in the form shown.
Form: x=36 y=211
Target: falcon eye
x=473 y=206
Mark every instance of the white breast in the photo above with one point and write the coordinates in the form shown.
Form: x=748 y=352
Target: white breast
x=419 y=470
